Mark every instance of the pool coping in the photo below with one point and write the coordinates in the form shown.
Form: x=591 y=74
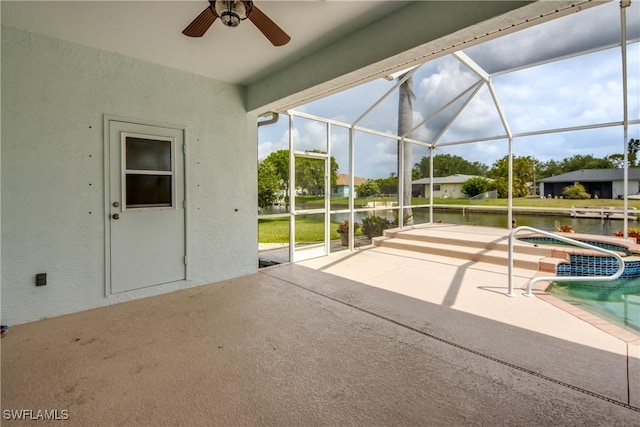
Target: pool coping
x=629 y=244
x=540 y=291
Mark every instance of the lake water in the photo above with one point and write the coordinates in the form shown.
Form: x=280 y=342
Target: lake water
x=543 y=222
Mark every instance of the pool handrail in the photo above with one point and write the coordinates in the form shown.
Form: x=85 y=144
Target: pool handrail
x=535 y=280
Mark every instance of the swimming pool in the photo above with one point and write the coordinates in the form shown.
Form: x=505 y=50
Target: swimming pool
x=617 y=301
x=580 y=264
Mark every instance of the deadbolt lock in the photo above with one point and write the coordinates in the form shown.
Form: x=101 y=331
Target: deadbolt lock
x=116 y=204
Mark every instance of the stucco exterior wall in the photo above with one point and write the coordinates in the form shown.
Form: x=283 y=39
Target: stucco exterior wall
x=633 y=187
x=54 y=97
x=447 y=191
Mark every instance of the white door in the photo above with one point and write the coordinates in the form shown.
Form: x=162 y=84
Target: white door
x=146 y=206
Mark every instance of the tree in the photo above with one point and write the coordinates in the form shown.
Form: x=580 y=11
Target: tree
x=449 y=164
x=310 y=175
x=387 y=185
x=475 y=186
x=617 y=160
x=309 y=172
x=523 y=168
x=574 y=163
x=405 y=125
x=280 y=161
x=333 y=171
x=632 y=157
x=587 y=161
x=502 y=187
x=633 y=148
x=576 y=191
x=368 y=188
x=268 y=184
x=547 y=169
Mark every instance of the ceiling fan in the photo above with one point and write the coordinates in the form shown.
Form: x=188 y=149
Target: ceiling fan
x=231 y=12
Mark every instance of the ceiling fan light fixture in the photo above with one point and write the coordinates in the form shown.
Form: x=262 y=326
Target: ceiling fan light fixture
x=231 y=12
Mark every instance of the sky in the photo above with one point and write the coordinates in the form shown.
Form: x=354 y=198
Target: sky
x=576 y=91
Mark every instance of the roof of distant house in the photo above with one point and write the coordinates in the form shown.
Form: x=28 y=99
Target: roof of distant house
x=591 y=175
x=343 y=179
x=451 y=179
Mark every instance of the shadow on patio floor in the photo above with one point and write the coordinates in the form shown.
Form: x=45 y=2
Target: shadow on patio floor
x=295 y=346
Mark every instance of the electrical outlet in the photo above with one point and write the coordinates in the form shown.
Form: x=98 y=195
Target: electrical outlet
x=41 y=279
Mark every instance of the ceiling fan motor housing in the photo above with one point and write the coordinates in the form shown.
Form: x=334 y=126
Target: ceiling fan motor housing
x=231 y=12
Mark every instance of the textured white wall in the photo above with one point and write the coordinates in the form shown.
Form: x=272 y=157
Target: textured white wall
x=54 y=97
x=633 y=187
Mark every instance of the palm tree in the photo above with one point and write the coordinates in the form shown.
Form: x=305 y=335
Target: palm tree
x=405 y=124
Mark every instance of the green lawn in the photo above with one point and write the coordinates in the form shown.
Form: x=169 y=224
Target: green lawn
x=276 y=230
x=273 y=230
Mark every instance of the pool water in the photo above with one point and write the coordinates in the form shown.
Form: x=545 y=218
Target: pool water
x=617 y=301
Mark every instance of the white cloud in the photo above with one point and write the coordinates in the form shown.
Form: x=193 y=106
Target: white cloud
x=376 y=157
x=449 y=80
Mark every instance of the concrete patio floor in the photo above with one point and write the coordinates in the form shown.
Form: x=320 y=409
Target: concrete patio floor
x=379 y=336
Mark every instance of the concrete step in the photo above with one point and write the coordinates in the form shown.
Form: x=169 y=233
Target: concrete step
x=473 y=244
x=483 y=244
x=479 y=241
x=493 y=255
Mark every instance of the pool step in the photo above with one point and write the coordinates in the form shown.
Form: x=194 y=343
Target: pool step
x=479 y=241
x=477 y=247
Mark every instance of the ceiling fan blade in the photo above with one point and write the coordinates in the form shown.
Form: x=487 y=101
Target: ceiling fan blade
x=270 y=29
x=201 y=24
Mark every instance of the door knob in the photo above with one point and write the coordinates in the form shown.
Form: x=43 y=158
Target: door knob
x=115 y=216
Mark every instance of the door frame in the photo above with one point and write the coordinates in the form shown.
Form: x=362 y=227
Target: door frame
x=107 y=118
x=296 y=212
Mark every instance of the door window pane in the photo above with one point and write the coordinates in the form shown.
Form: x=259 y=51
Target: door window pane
x=148 y=154
x=148 y=190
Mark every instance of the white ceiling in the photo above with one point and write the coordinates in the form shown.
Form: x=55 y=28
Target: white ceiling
x=151 y=30
x=335 y=44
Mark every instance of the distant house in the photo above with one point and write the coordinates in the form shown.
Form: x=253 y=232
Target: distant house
x=447 y=187
x=600 y=183
x=341 y=189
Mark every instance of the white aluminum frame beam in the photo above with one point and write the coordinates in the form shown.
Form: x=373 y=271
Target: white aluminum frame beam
x=477 y=85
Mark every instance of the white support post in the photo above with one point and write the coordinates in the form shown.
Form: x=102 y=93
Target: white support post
x=327 y=194
x=431 y=150
x=400 y=181
x=625 y=111
x=292 y=194
x=505 y=125
x=352 y=215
